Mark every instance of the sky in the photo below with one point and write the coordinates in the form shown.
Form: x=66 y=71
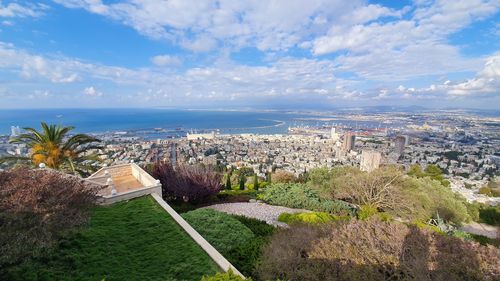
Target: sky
x=231 y=54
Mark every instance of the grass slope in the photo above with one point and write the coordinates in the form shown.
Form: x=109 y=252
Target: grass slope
x=135 y=240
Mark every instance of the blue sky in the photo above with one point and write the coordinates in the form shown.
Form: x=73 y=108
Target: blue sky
x=249 y=54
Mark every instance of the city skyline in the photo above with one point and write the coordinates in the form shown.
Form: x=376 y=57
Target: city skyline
x=249 y=54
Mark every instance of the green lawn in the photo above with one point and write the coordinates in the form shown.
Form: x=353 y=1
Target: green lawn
x=135 y=240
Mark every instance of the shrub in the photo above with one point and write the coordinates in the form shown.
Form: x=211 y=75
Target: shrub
x=258 y=227
x=247 y=255
x=281 y=176
x=37 y=207
x=187 y=183
x=490 y=215
x=313 y=218
x=366 y=211
x=226 y=276
x=220 y=229
x=374 y=250
x=301 y=196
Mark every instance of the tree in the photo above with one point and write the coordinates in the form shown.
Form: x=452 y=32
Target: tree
x=228 y=182
x=53 y=147
x=378 y=189
x=242 y=182
x=269 y=177
x=255 y=182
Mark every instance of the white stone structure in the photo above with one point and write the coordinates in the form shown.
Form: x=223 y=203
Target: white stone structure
x=123 y=182
x=370 y=160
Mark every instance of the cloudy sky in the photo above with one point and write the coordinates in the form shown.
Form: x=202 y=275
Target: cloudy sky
x=255 y=54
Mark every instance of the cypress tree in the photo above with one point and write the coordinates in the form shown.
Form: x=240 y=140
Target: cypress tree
x=228 y=182
x=269 y=180
x=242 y=182
x=255 y=182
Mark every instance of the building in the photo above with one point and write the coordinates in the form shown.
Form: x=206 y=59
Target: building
x=399 y=145
x=15 y=131
x=334 y=135
x=370 y=160
x=349 y=140
x=209 y=136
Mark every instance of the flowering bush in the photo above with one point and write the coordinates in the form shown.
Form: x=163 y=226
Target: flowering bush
x=36 y=208
x=188 y=183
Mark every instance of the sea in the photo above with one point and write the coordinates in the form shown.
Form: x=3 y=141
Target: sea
x=153 y=123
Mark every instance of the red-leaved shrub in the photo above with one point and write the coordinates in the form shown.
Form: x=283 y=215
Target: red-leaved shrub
x=188 y=183
x=36 y=208
x=375 y=250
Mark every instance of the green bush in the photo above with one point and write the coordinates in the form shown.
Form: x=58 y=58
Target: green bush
x=462 y=234
x=294 y=195
x=426 y=226
x=226 y=276
x=313 y=218
x=238 y=238
x=245 y=256
x=221 y=230
x=258 y=227
x=490 y=215
x=366 y=211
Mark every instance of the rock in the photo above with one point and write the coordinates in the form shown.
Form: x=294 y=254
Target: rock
x=252 y=200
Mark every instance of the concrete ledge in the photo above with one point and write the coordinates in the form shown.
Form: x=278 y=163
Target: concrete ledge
x=110 y=199
x=211 y=251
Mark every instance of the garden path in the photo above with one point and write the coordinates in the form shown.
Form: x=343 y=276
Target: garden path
x=256 y=210
x=482 y=229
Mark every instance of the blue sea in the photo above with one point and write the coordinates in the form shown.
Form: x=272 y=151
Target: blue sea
x=158 y=123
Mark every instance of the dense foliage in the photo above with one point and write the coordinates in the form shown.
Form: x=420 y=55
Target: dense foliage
x=309 y=217
x=226 y=276
x=239 y=239
x=374 y=250
x=187 y=183
x=431 y=171
x=133 y=240
x=295 y=195
x=221 y=230
x=36 y=208
x=389 y=190
x=281 y=176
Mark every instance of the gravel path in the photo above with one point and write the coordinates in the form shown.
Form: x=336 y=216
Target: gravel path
x=260 y=211
x=482 y=229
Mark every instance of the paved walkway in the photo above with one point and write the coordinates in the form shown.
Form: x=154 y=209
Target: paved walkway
x=260 y=211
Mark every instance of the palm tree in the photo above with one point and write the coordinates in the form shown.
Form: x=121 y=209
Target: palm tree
x=53 y=147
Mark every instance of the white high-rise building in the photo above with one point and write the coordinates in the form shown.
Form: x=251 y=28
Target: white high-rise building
x=334 y=135
x=15 y=131
x=370 y=160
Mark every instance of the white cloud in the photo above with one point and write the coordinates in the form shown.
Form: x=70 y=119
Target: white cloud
x=487 y=81
x=92 y=92
x=12 y=10
x=165 y=60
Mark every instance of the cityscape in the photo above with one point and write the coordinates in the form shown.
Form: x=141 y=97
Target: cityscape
x=465 y=147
